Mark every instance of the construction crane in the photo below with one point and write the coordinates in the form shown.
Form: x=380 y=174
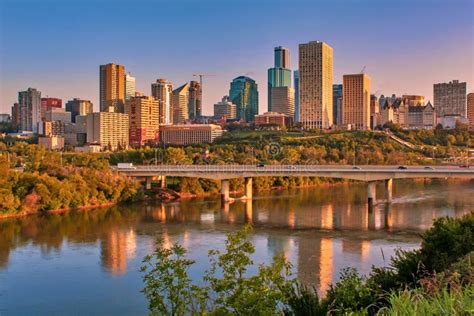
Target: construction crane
x=200 y=77
x=363 y=69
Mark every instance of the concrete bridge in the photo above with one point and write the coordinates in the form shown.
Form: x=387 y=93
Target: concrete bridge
x=224 y=173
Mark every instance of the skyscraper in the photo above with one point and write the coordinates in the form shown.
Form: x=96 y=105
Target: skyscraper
x=297 y=95
x=337 y=103
x=450 y=99
x=29 y=102
x=162 y=90
x=470 y=109
x=195 y=100
x=244 y=94
x=16 y=115
x=280 y=75
x=78 y=107
x=144 y=119
x=180 y=104
x=283 y=100
x=112 y=87
x=356 y=101
x=315 y=85
x=130 y=87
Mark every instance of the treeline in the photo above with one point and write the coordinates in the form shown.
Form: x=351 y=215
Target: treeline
x=35 y=180
x=437 y=279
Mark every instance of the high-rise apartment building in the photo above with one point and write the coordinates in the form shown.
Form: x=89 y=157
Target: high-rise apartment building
x=162 y=90
x=108 y=129
x=48 y=103
x=337 y=104
x=30 y=109
x=374 y=111
x=16 y=115
x=225 y=108
x=315 y=85
x=195 y=100
x=130 y=86
x=297 y=95
x=470 y=109
x=244 y=94
x=78 y=107
x=283 y=100
x=112 y=87
x=280 y=74
x=143 y=117
x=356 y=101
x=180 y=104
x=450 y=99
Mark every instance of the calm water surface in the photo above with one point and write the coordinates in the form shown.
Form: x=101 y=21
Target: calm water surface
x=88 y=262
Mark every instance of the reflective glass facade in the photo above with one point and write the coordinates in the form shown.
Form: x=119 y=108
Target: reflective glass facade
x=244 y=94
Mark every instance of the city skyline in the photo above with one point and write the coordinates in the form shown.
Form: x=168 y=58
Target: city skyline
x=401 y=58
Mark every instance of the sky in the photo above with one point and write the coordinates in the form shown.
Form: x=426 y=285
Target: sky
x=57 y=46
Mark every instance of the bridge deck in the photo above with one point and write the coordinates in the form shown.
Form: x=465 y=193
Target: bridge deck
x=362 y=173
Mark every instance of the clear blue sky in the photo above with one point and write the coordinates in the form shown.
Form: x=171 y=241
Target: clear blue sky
x=57 y=46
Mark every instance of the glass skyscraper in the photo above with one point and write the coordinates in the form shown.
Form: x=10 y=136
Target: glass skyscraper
x=280 y=75
x=337 y=103
x=244 y=94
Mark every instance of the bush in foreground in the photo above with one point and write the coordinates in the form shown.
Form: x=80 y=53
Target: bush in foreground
x=436 y=279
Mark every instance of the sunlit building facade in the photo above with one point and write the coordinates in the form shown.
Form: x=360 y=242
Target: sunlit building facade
x=78 y=107
x=315 y=85
x=112 y=87
x=356 y=101
x=180 y=104
x=29 y=103
x=143 y=117
x=162 y=90
x=279 y=75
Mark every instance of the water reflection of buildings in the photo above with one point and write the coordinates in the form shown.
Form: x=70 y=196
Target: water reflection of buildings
x=116 y=248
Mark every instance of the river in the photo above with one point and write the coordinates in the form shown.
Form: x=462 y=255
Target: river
x=87 y=262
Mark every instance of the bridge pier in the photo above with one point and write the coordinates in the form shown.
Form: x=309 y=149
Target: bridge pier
x=163 y=182
x=371 y=195
x=248 y=189
x=388 y=190
x=148 y=183
x=225 y=197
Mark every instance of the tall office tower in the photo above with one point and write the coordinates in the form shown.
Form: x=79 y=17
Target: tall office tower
x=144 y=119
x=48 y=103
x=30 y=109
x=112 y=87
x=108 y=129
x=130 y=87
x=315 y=85
x=470 y=109
x=356 y=101
x=244 y=94
x=297 y=95
x=337 y=104
x=16 y=115
x=450 y=98
x=374 y=111
x=162 y=90
x=280 y=75
x=225 y=108
x=78 y=107
x=414 y=100
x=283 y=100
x=180 y=103
x=195 y=100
